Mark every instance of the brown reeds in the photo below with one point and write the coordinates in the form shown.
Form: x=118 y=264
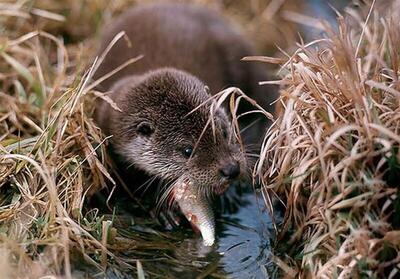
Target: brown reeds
x=51 y=153
x=333 y=155
x=52 y=156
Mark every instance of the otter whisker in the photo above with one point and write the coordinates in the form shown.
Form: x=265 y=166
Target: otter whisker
x=163 y=184
x=167 y=172
x=252 y=147
x=146 y=184
x=168 y=201
x=130 y=165
x=167 y=191
x=252 y=155
x=206 y=191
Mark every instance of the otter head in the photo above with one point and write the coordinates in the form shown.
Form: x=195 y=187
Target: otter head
x=160 y=131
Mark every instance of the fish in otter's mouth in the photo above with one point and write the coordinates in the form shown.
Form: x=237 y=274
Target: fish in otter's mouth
x=165 y=130
x=196 y=208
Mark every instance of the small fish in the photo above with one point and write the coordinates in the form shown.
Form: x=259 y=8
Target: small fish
x=194 y=205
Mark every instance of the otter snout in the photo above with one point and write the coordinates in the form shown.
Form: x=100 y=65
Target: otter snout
x=230 y=170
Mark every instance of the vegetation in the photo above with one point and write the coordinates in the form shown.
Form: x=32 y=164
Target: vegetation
x=332 y=157
x=52 y=156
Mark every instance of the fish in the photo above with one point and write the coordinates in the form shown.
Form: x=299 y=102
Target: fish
x=196 y=209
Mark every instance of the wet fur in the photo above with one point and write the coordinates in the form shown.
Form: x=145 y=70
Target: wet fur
x=189 y=52
x=167 y=99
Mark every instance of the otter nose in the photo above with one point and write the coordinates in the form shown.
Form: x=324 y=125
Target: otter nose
x=230 y=170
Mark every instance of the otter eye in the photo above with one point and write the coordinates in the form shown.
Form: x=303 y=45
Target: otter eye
x=188 y=151
x=144 y=128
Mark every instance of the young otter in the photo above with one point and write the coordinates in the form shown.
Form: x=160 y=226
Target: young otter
x=188 y=52
x=160 y=131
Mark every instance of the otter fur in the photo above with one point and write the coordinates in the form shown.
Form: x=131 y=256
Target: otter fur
x=189 y=53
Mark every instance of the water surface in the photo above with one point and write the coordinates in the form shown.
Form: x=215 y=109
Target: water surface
x=242 y=246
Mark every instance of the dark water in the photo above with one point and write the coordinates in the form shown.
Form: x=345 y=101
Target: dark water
x=242 y=247
x=244 y=240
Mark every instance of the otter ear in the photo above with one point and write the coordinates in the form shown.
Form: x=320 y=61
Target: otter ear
x=145 y=128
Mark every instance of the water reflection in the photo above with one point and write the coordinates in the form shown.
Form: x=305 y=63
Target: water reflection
x=242 y=246
x=245 y=240
x=241 y=249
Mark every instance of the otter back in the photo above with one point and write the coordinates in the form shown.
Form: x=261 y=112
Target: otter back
x=185 y=37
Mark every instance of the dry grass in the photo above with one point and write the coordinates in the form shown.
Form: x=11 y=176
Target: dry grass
x=48 y=145
x=333 y=155
x=52 y=156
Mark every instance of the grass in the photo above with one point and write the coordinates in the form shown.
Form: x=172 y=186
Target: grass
x=52 y=156
x=49 y=157
x=332 y=156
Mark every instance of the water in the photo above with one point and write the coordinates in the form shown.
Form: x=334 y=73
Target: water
x=242 y=246
x=241 y=250
x=244 y=240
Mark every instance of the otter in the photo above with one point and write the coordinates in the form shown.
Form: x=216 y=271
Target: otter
x=163 y=125
x=160 y=131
